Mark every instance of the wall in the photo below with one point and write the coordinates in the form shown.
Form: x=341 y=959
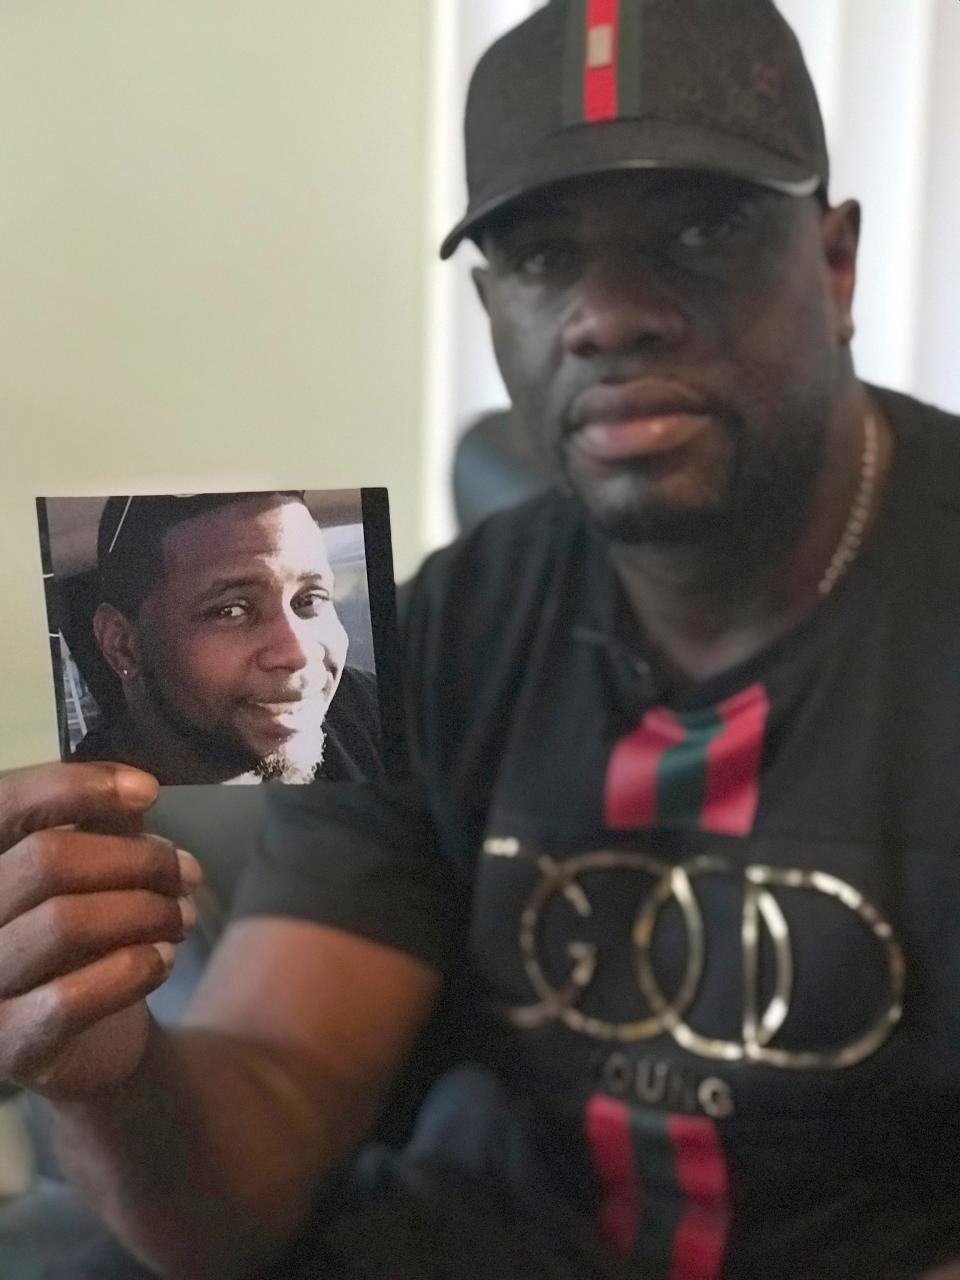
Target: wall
x=887 y=79
x=211 y=267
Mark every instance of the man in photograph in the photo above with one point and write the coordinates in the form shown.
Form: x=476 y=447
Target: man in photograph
x=217 y=616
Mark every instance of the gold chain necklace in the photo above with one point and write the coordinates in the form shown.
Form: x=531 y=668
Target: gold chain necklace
x=848 y=548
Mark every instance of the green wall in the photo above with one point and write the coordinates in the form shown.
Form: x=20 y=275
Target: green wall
x=212 y=257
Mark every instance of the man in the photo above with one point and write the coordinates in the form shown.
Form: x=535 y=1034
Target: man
x=677 y=875
x=218 y=619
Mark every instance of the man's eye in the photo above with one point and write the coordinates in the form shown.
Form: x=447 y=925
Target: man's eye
x=309 y=603
x=236 y=611
x=716 y=231
x=546 y=262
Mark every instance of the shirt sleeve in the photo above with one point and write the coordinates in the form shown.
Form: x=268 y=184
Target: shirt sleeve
x=361 y=857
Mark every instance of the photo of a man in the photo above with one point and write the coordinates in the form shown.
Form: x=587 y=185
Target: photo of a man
x=220 y=651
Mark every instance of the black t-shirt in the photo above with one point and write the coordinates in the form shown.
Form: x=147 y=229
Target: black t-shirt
x=353 y=746
x=711 y=944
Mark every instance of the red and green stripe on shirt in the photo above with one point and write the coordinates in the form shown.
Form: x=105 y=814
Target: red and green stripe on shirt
x=664 y=1194
x=694 y=769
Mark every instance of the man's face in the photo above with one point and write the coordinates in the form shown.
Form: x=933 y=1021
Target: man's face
x=240 y=639
x=672 y=343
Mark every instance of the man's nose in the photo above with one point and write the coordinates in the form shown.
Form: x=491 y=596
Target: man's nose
x=622 y=309
x=284 y=644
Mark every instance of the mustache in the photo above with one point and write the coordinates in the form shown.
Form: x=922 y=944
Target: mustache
x=291 y=694
x=301 y=686
x=280 y=697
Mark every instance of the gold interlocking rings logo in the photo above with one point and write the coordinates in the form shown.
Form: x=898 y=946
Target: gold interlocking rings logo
x=761 y=887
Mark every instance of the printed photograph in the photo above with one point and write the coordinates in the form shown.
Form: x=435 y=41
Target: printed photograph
x=225 y=637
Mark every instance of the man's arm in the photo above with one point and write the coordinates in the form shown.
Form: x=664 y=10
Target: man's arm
x=204 y=1147
x=206 y=1161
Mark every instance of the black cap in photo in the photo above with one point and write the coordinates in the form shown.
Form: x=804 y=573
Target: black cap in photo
x=592 y=86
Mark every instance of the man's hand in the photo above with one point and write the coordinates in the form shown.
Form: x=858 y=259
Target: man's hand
x=88 y=924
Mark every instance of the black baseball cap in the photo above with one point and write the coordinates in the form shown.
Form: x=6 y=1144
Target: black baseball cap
x=591 y=86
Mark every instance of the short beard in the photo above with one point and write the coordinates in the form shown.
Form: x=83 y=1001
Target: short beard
x=757 y=516
x=298 y=761
x=298 y=764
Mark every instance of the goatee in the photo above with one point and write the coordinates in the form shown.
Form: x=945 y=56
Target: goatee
x=299 y=762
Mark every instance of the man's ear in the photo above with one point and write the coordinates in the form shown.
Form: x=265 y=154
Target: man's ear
x=840 y=232
x=117 y=641
x=481 y=282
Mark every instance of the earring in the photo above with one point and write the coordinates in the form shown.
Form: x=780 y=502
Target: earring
x=124 y=672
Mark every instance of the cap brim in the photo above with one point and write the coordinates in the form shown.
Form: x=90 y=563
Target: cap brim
x=632 y=144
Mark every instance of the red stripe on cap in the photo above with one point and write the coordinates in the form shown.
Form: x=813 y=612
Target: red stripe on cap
x=600 y=96
x=700 y=1241
x=733 y=764
x=607 y=1129
x=630 y=793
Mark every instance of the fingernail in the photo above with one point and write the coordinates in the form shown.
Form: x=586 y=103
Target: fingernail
x=191 y=873
x=167 y=952
x=136 y=789
x=188 y=913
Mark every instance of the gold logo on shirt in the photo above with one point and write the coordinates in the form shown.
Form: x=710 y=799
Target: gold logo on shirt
x=762 y=916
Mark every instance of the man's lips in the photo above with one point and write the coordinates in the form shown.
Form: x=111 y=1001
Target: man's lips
x=636 y=420
x=282 y=718
x=278 y=708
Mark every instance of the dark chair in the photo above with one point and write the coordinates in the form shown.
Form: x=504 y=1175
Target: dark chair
x=493 y=468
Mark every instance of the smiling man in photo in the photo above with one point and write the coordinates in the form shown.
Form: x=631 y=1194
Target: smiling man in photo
x=218 y=618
